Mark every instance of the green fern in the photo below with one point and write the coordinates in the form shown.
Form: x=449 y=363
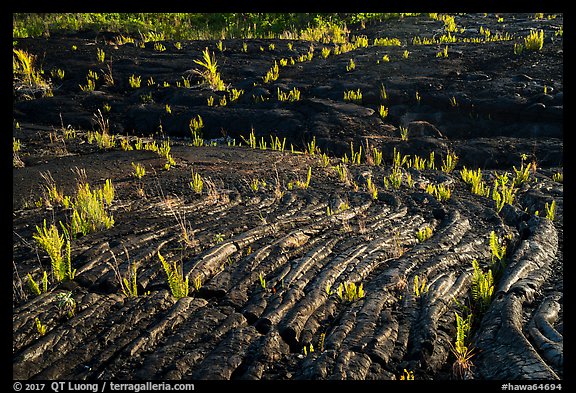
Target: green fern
x=482 y=287
x=474 y=180
x=176 y=281
x=439 y=191
x=40 y=327
x=33 y=285
x=449 y=163
x=521 y=175
x=302 y=184
x=89 y=209
x=502 y=193
x=377 y=156
x=52 y=242
x=424 y=234
x=497 y=247
x=197 y=184
x=550 y=210
x=463 y=326
x=463 y=354
x=67 y=262
x=431 y=161
x=350 y=292
x=262 y=281
x=197 y=283
x=419 y=286
x=355 y=155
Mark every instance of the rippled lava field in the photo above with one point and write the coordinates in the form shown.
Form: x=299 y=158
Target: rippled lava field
x=277 y=234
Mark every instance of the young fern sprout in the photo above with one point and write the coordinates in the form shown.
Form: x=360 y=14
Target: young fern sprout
x=383 y=111
x=550 y=210
x=419 y=163
x=134 y=81
x=354 y=96
x=376 y=156
x=321 y=342
x=558 y=177
x=439 y=191
x=308 y=350
x=474 y=180
x=398 y=160
x=235 y=94
x=449 y=162
x=177 y=282
x=302 y=184
x=431 y=161
x=502 y=193
x=40 y=327
x=291 y=96
x=383 y=93
x=349 y=292
x=251 y=141
x=139 y=170
x=196 y=124
x=324 y=160
x=403 y=133
x=197 y=184
x=277 y=144
x=311 y=147
x=443 y=53
x=419 y=286
x=394 y=179
x=256 y=183
x=371 y=187
x=534 y=41
x=521 y=175
x=453 y=102
x=407 y=375
x=355 y=155
x=35 y=287
x=351 y=65
x=342 y=171
x=272 y=74
x=424 y=234
x=497 y=247
x=262 y=144
x=262 y=281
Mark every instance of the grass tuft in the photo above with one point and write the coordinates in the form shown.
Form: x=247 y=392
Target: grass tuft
x=209 y=72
